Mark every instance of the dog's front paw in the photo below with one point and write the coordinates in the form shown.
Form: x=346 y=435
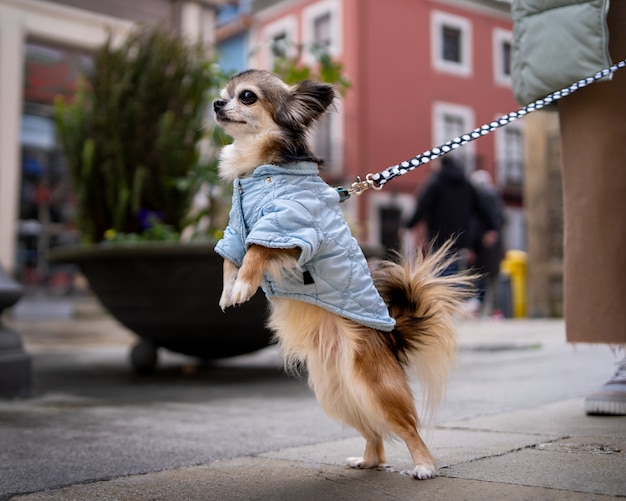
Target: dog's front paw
x=230 y=276
x=226 y=298
x=424 y=471
x=360 y=462
x=241 y=292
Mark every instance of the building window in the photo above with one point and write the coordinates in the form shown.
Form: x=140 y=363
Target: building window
x=321 y=28
x=449 y=122
x=451 y=43
x=279 y=45
x=385 y=213
x=502 y=57
x=327 y=140
x=322 y=139
x=282 y=37
x=510 y=158
x=453 y=125
x=321 y=31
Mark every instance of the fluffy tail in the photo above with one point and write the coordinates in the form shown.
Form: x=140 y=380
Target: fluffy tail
x=424 y=304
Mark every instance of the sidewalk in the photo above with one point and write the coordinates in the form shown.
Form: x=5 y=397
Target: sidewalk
x=512 y=426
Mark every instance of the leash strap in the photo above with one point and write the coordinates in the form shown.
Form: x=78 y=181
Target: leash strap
x=378 y=180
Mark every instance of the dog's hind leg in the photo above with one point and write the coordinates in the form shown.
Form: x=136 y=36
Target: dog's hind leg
x=403 y=426
x=401 y=417
x=389 y=393
x=374 y=454
x=424 y=464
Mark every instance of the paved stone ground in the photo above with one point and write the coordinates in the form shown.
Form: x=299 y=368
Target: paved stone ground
x=512 y=426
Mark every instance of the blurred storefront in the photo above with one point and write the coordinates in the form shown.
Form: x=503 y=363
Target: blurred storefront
x=45 y=197
x=44 y=45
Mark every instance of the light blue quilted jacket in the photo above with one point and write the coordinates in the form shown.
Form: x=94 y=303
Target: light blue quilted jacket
x=292 y=207
x=556 y=43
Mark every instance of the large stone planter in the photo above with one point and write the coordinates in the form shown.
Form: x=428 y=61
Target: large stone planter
x=15 y=363
x=168 y=295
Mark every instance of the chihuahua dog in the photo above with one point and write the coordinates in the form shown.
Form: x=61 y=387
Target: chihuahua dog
x=358 y=333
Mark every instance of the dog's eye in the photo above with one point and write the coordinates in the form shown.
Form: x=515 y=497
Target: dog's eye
x=247 y=97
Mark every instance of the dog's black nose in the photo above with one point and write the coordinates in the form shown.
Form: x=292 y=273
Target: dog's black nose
x=217 y=105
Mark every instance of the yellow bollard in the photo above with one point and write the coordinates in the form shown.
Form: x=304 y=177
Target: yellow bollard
x=514 y=264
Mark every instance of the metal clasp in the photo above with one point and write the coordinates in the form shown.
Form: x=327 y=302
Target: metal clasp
x=357 y=188
x=360 y=186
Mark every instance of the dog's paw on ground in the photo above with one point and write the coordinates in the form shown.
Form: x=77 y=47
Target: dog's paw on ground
x=424 y=471
x=360 y=462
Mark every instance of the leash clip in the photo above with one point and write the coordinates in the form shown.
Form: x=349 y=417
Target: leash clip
x=360 y=186
x=357 y=188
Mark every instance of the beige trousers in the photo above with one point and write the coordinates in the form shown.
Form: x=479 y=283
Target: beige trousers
x=593 y=135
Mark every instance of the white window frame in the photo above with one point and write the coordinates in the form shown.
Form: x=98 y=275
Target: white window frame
x=501 y=148
x=287 y=25
x=315 y=11
x=334 y=164
x=499 y=38
x=439 y=20
x=466 y=113
x=403 y=201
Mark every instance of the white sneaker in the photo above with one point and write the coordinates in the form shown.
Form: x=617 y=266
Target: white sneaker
x=609 y=399
x=471 y=306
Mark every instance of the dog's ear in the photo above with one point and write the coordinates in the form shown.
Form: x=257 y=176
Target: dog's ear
x=307 y=101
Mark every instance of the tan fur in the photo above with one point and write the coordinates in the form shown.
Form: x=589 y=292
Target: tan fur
x=238 y=162
x=355 y=375
x=241 y=284
x=359 y=375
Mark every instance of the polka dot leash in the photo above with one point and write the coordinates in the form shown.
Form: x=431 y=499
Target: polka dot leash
x=378 y=180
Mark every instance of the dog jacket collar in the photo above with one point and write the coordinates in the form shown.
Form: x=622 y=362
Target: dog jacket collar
x=290 y=206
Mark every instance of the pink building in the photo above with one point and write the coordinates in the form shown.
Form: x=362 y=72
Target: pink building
x=422 y=73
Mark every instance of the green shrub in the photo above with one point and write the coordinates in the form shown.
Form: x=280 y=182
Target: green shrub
x=132 y=132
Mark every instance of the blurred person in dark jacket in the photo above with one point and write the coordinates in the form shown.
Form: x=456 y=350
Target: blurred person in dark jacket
x=489 y=252
x=446 y=205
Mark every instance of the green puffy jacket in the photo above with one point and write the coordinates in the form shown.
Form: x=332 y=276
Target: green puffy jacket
x=556 y=43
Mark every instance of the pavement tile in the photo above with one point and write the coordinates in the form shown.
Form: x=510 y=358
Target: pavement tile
x=266 y=479
x=561 y=418
x=577 y=465
x=513 y=426
x=448 y=446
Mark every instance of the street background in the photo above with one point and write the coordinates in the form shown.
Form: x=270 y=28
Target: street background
x=512 y=425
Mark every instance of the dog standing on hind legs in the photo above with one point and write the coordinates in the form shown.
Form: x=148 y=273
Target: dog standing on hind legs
x=358 y=333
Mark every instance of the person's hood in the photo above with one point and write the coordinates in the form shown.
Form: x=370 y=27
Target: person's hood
x=451 y=170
